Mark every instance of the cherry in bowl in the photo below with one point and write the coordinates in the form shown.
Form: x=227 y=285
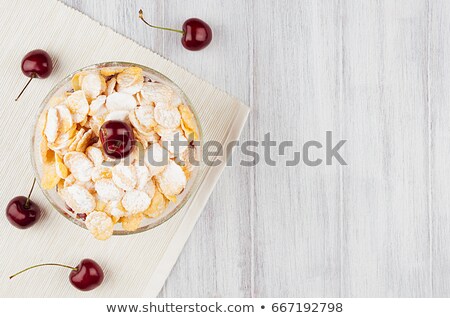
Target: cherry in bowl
x=117 y=139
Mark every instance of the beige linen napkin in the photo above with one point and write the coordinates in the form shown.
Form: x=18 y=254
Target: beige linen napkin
x=135 y=265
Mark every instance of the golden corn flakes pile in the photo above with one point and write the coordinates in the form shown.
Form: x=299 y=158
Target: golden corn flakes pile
x=75 y=163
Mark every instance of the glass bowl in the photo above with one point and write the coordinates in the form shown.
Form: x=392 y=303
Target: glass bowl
x=52 y=195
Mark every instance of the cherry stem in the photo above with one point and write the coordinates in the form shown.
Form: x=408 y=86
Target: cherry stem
x=27 y=203
x=23 y=89
x=39 y=265
x=141 y=16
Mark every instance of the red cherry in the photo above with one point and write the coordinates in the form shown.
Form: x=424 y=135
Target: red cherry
x=36 y=64
x=22 y=212
x=197 y=34
x=117 y=139
x=86 y=276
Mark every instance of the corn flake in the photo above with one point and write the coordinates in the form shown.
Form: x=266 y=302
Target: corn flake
x=135 y=201
x=157 y=206
x=93 y=84
x=120 y=101
x=78 y=198
x=172 y=180
x=167 y=116
x=100 y=225
x=124 y=176
x=51 y=125
x=78 y=106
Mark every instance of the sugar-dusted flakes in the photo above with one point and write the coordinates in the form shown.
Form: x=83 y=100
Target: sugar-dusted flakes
x=107 y=190
x=131 y=89
x=129 y=78
x=88 y=185
x=174 y=141
x=167 y=116
x=115 y=209
x=51 y=125
x=101 y=172
x=98 y=106
x=149 y=188
x=95 y=123
x=63 y=141
x=153 y=93
x=145 y=117
x=78 y=106
x=76 y=140
x=120 y=101
x=78 y=198
x=135 y=201
x=121 y=115
x=93 y=84
x=70 y=180
x=65 y=121
x=124 y=176
x=143 y=176
x=100 y=225
x=172 y=180
x=156 y=159
x=79 y=165
x=95 y=155
x=103 y=190
x=85 y=141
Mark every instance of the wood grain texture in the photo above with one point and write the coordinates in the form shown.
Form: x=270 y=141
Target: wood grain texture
x=296 y=97
x=439 y=101
x=386 y=225
x=216 y=261
x=372 y=72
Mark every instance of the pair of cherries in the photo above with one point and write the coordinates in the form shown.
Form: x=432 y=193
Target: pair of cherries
x=23 y=213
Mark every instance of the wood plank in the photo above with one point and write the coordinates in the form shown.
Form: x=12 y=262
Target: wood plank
x=386 y=247
x=216 y=261
x=439 y=83
x=296 y=97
